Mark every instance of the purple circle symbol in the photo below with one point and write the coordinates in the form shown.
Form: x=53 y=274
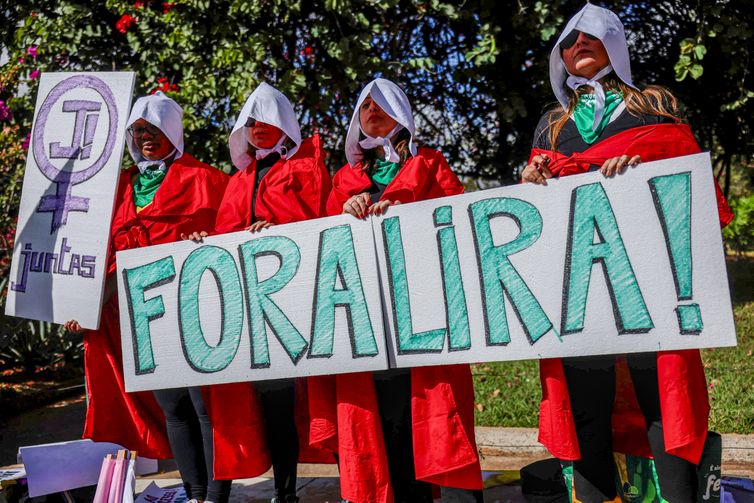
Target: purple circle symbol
x=63 y=202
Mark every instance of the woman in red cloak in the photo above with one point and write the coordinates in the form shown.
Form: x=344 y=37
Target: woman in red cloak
x=658 y=406
x=398 y=431
x=281 y=179
x=166 y=194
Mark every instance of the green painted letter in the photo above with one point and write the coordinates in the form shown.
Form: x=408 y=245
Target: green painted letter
x=137 y=281
x=262 y=310
x=456 y=310
x=672 y=198
x=498 y=274
x=407 y=341
x=591 y=214
x=219 y=262
x=337 y=262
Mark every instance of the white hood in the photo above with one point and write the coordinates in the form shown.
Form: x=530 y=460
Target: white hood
x=266 y=104
x=394 y=102
x=607 y=27
x=163 y=113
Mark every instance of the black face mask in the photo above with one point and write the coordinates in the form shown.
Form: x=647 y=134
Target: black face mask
x=571 y=39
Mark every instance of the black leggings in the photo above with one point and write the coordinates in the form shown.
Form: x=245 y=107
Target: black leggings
x=393 y=389
x=591 y=386
x=190 y=436
x=278 y=402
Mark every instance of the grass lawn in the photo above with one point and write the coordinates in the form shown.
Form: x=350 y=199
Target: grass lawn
x=508 y=393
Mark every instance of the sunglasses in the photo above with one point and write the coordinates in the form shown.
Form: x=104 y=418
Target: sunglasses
x=251 y=122
x=139 y=131
x=571 y=39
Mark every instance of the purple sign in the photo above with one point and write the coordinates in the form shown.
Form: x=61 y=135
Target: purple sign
x=85 y=125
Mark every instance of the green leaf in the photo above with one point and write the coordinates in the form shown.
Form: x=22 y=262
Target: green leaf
x=687 y=45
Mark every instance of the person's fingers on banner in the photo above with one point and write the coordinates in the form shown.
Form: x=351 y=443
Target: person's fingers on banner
x=197 y=237
x=259 y=225
x=537 y=171
x=380 y=207
x=357 y=205
x=609 y=166
x=73 y=326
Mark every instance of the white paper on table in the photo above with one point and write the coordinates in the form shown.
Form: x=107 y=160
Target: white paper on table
x=12 y=474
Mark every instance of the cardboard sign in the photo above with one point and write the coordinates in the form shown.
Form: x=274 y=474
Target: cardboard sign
x=583 y=266
x=294 y=300
x=58 y=267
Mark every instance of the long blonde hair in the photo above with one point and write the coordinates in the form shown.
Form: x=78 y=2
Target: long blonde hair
x=653 y=100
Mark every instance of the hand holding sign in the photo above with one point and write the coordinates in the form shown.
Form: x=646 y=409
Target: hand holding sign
x=577 y=268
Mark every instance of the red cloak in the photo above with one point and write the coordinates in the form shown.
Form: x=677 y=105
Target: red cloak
x=186 y=200
x=292 y=190
x=683 y=389
x=343 y=408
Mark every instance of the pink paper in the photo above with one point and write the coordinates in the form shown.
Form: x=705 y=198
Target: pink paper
x=116 y=485
x=104 y=482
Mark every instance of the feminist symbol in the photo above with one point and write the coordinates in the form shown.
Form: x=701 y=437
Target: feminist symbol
x=85 y=125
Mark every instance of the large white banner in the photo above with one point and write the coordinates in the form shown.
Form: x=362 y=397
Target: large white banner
x=583 y=266
x=586 y=265
x=59 y=258
x=293 y=300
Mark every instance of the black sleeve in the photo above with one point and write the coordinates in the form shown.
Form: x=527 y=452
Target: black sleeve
x=541 y=133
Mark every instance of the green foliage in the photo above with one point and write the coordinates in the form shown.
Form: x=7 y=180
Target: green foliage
x=690 y=60
x=478 y=80
x=739 y=234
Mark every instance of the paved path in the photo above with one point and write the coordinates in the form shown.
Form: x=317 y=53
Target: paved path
x=500 y=449
x=313 y=489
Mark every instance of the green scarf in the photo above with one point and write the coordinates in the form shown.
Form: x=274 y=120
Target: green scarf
x=583 y=114
x=385 y=171
x=146 y=185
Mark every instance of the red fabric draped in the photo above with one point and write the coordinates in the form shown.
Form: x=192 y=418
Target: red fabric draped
x=683 y=389
x=652 y=143
x=186 y=200
x=343 y=408
x=292 y=190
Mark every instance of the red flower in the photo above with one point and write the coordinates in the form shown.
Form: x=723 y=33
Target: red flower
x=167 y=7
x=164 y=85
x=138 y=4
x=125 y=23
x=307 y=50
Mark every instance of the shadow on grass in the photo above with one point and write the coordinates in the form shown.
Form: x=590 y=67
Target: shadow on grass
x=741 y=278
